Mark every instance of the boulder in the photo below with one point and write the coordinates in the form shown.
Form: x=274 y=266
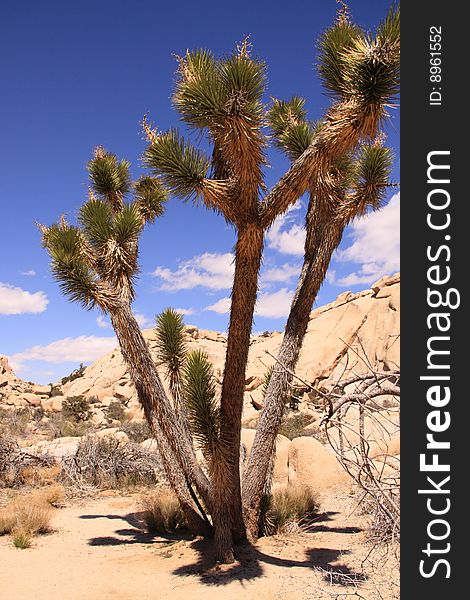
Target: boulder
x=252 y=383
x=77 y=387
x=42 y=390
x=114 y=432
x=280 y=473
x=98 y=392
x=98 y=418
x=314 y=465
x=53 y=405
x=58 y=448
x=281 y=463
x=16 y=401
x=107 y=400
x=209 y=335
x=149 y=444
x=31 y=399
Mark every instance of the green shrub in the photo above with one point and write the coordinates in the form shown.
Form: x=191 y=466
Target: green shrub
x=22 y=540
x=74 y=374
x=59 y=426
x=56 y=391
x=76 y=408
x=116 y=412
x=38 y=413
x=137 y=431
x=292 y=426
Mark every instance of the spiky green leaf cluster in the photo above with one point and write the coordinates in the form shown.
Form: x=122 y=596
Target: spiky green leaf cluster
x=199 y=393
x=292 y=133
x=333 y=46
x=76 y=279
x=353 y=64
x=198 y=95
x=150 y=197
x=108 y=174
x=372 y=176
x=171 y=345
x=181 y=166
x=209 y=90
x=96 y=263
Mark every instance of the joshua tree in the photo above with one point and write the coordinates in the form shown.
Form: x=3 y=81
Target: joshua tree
x=96 y=262
x=354 y=184
x=224 y=100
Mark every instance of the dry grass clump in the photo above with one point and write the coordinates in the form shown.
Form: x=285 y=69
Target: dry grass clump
x=288 y=508
x=29 y=514
x=38 y=476
x=52 y=495
x=162 y=511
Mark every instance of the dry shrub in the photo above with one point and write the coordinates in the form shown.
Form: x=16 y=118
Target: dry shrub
x=162 y=511
x=14 y=461
x=108 y=462
x=15 y=422
x=288 y=508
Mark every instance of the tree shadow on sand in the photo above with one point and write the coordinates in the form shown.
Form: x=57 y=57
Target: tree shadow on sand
x=250 y=560
x=136 y=534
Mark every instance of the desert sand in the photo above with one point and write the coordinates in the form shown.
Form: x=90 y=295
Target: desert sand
x=98 y=549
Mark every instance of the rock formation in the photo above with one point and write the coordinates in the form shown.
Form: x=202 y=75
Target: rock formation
x=356 y=332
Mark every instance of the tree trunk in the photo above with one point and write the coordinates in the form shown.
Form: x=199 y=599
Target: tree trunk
x=324 y=232
x=177 y=461
x=226 y=480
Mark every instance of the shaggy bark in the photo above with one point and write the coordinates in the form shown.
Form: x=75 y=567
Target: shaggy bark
x=324 y=234
x=176 y=457
x=226 y=479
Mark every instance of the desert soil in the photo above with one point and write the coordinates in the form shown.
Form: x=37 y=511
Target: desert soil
x=99 y=550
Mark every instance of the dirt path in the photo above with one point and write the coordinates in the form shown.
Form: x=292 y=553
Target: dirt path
x=98 y=551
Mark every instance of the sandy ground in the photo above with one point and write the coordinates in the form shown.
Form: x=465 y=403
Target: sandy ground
x=98 y=550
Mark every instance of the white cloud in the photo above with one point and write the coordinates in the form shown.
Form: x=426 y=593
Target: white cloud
x=222 y=306
x=270 y=305
x=285 y=236
x=142 y=320
x=212 y=271
x=185 y=311
x=16 y=301
x=81 y=349
x=102 y=323
x=375 y=246
x=30 y=273
x=275 y=305
x=282 y=273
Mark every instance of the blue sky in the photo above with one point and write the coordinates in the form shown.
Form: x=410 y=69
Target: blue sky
x=78 y=74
